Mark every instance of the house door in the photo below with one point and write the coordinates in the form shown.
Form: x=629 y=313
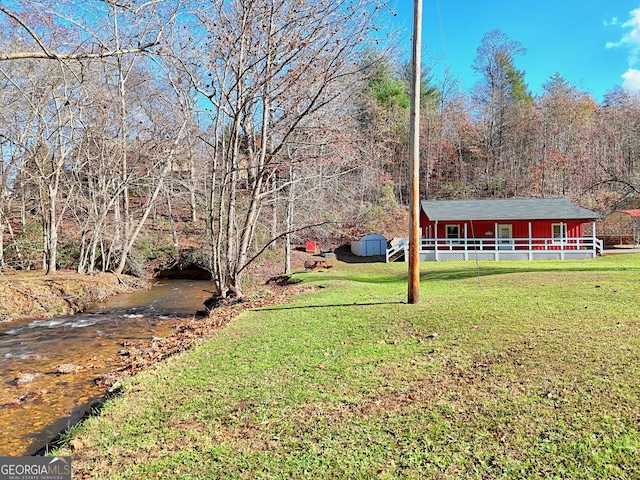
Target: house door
x=505 y=237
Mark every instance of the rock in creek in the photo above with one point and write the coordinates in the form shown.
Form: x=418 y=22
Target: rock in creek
x=67 y=368
x=26 y=377
x=25 y=398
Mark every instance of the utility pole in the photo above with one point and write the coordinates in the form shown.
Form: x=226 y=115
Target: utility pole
x=414 y=159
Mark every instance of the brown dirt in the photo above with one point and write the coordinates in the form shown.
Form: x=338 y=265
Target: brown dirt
x=36 y=295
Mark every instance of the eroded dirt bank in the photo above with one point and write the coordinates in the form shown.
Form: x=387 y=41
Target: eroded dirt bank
x=36 y=295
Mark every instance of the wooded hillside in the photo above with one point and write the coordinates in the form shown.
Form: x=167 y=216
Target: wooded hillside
x=243 y=126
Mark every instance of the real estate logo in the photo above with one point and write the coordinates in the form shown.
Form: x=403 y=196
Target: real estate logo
x=35 y=468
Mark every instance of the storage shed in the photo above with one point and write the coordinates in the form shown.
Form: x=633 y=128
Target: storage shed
x=625 y=226
x=369 y=245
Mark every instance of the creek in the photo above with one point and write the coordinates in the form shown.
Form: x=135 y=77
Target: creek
x=88 y=345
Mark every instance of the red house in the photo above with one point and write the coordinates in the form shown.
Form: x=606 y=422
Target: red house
x=512 y=229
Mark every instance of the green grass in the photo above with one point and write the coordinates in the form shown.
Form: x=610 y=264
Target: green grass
x=504 y=370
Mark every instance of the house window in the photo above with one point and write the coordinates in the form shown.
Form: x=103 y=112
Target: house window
x=453 y=233
x=558 y=232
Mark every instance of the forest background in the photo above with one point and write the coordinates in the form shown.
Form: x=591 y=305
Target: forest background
x=224 y=131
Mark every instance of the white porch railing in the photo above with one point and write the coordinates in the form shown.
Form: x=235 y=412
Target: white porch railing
x=501 y=248
x=401 y=246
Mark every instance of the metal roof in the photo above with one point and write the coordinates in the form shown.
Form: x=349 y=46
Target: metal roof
x=623 y=215
x=633 y=212
x=506 y=209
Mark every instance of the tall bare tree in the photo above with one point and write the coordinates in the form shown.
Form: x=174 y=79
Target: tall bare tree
x=270 y=65
x=59 y=42
x=87 y=27
x=500 y=89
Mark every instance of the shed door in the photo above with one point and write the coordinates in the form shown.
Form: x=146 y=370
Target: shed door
x=505 y=236
x=372 y=247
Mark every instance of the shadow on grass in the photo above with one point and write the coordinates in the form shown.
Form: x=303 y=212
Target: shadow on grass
x=483 y=271
x=446 y=274
x=328 y=305
x=344 y=254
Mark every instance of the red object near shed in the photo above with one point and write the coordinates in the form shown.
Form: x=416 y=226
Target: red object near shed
x=311 y=246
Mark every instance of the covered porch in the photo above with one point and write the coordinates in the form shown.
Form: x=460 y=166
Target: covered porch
x=496 y=248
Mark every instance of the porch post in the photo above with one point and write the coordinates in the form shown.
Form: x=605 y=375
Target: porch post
x=435 y=239
x=466 y=247
x=563 y=233
x=496 y=242
x=530 y=243
x=593 y=238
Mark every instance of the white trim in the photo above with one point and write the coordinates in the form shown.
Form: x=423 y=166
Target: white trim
x=521 y=249
x=435 y=236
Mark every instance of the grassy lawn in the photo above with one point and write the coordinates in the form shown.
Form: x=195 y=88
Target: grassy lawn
x=504 y=370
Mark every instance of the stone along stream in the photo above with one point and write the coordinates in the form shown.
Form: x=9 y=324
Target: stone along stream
x=48 y=367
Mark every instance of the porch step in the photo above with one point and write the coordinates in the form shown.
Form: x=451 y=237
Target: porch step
x=396 y=256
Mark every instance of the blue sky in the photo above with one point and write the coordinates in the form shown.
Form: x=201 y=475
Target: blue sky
x=593 y=44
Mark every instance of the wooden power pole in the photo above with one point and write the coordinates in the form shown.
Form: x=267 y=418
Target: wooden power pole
x=414 y=159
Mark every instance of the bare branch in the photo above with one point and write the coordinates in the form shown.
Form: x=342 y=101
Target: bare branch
x=75 y=56
x=47 y=54
x=31 y=33
x=129 y=8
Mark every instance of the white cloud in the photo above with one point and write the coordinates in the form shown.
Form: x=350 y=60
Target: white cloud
x=632 y=38
x=631 y=80
x=630 y=41
x=613 y=21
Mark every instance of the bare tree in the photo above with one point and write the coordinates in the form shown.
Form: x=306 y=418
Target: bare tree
x=88 y=28
x=77 y=59
x=613 y=174
x=500 y=89
x=51 y=101
x=270 y=65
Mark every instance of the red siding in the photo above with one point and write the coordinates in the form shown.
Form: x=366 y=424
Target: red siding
x=520 y=228
x=541 y=229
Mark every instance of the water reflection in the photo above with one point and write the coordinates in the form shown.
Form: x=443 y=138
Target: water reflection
x=32 y=413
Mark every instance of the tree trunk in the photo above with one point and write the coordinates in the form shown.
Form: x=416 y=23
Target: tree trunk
x=172 y=224
x=289 y=222
x=135 y=231
x=51 y=236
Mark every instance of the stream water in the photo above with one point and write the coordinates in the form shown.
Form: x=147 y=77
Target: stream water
x=32 y=414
